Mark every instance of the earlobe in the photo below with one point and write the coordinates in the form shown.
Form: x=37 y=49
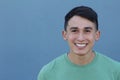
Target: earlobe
x=97 y=35
x=64 y=35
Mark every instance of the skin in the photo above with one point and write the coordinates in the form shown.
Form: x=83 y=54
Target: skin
x=81 y=35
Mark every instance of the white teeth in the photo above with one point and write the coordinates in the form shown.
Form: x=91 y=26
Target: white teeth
x=81 y=45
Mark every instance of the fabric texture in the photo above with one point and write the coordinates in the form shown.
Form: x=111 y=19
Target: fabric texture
x=61 y=68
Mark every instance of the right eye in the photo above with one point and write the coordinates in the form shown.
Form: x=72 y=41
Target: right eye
x=74 y=30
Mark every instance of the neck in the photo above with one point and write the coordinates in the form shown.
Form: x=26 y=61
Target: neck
x=81 y=59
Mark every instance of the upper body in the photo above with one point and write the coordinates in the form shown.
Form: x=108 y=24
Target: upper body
x=61 y=68
x=81 y=32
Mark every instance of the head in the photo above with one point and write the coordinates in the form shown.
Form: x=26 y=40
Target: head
x=82 y=11
x=81 y=29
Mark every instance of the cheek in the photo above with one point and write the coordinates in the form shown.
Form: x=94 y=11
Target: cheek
x=70 y=37
x=92 y=38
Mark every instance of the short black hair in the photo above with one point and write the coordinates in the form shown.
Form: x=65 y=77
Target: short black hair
x=83 y=11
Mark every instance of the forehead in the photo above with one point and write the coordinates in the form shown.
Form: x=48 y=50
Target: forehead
x=80 y=22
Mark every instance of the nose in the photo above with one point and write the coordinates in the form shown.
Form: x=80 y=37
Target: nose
x=81 y=37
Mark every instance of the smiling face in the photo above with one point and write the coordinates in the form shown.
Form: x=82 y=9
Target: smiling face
x=81 y=35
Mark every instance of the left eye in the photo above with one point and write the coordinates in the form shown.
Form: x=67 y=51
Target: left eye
x=87 y=30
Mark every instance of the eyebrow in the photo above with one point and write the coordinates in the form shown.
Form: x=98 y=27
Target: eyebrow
x=73 y=28
x=84 y=28
x=89 y=28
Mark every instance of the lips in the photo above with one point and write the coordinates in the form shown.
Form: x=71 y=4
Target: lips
x=81 y=45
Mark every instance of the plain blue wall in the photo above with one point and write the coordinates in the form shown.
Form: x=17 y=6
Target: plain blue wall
x=30 y=33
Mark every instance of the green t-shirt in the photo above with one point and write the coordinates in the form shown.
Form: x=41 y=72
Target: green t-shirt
x=61 y=68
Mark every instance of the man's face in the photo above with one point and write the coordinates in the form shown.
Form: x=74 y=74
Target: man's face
x=81 y=35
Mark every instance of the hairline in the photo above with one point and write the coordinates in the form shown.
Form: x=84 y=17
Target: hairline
x=66 y=23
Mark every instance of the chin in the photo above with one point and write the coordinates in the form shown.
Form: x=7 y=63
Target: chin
x=80 y=53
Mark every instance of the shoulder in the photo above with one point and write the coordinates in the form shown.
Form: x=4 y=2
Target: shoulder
x=49 y=68
x=110 y=65
x=52 y=64
x=108 y=61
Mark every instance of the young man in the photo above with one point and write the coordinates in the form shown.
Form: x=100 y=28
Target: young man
x=81 y=62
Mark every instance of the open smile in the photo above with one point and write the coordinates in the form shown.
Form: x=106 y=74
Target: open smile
x=81 y=45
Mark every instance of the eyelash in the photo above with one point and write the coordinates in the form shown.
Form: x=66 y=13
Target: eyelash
x=87 y=31
x=73 y=30
x=76 y=31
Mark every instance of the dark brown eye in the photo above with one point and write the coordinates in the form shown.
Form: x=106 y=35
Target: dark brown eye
x=87 y=30
x=73 y=30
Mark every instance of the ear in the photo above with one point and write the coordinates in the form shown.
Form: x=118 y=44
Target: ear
x=97 y=35
x=64 y=34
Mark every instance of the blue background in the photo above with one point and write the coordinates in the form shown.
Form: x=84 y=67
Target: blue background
x=30 y=33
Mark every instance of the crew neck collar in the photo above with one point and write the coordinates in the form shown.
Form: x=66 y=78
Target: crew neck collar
x=86 y=65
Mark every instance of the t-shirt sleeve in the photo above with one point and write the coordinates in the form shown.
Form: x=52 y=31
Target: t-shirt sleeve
x=118 y=71
x=118 y=76
x=41 y=75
